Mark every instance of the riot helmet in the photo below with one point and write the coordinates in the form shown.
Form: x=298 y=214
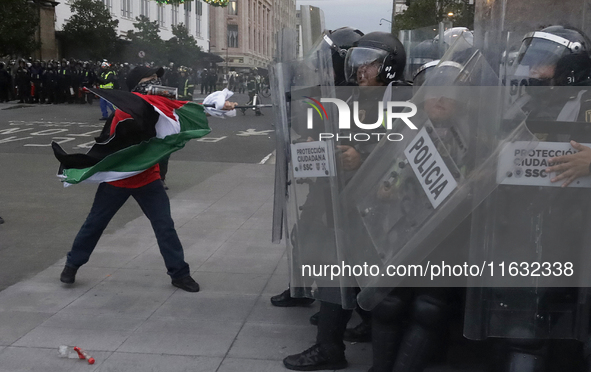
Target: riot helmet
x=452 y=34
x=423 y=73
x=339 y=41
x=377 y=56
x=422 y=54
x=556 y=56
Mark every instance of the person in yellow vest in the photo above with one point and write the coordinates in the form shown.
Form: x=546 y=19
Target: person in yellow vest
x=107 y=81
x=185 y=86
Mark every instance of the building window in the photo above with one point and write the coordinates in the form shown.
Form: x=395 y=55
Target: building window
x=198 y=14
x=188 y=16
x=174 y=19
x=126 y=11
x=145 y=8
x=233 y=7
x=232 y=36
x=161 y=22
x=108 y=4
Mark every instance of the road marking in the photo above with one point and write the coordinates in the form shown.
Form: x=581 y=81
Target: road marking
x=60 y=141
x=253 y=132
x=12 y=139
x=87 y=134
x=266 y=158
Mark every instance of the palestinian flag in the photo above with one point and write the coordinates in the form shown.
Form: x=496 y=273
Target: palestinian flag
x=148 y=127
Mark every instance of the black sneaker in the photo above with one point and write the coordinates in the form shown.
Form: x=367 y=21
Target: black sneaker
x=103 y=118
x=186 y=283
x=317 y=358
x=359 y=333
x=284 y=299
x=68 y=275
x=314 y=319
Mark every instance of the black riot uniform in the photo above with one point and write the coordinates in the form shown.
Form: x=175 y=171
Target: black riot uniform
x=88 y=80
x=22 y=81
x=339 y=41
x=36 y=80
x=410 y=326
x=4 y=83
x=535 y=326
x=375 y=61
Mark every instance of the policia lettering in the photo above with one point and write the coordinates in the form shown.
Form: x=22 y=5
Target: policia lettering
x=430 y=169
x=422 y=155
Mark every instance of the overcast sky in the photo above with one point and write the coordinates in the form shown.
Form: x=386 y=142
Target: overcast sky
x=364 y=15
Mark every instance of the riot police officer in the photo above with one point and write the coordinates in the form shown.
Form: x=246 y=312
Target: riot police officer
x=88 y=81
x=376 y=59
x=22 y=80
x=544 y=80
x=342 y=39
x=4 y=83
x=185 y=85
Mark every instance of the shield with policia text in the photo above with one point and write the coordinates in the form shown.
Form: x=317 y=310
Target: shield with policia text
x=535 y=233
x=405 y=207
x=312 y=177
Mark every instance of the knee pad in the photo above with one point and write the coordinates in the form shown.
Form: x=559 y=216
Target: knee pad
x=391 y=308
x=429 y=312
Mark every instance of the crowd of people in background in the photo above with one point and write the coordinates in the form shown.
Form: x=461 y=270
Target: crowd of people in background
x=63 y=81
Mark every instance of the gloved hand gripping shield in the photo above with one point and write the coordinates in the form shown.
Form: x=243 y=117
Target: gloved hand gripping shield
x=312 y=177
x=536 y=233
x=411 y=194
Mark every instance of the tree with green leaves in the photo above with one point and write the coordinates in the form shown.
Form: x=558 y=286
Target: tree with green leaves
x=146 y=38
x=17 y=28
x=182 y=48
x=423 y=13
x=91 y=32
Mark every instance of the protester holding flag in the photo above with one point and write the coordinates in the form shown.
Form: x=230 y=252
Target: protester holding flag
x=124 y=160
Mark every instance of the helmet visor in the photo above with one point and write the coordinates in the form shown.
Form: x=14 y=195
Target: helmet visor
x=537 y=59
x=362 y=65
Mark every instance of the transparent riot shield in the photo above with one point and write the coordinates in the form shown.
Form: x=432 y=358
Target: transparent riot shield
x=420 y=48
x=312 y=176
x=412 y=193
x=532 y=232
x=430 y=43
x=280 y=77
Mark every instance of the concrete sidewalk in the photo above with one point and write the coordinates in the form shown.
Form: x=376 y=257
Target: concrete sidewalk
x=124 y=311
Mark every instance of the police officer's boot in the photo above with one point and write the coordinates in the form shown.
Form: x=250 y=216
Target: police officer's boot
x=424 y=335
x=387 y=321
x=329 y=351
x=526 y=355
x=362 y=331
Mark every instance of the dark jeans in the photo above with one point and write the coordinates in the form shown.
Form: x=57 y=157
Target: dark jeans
x=154 y=203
